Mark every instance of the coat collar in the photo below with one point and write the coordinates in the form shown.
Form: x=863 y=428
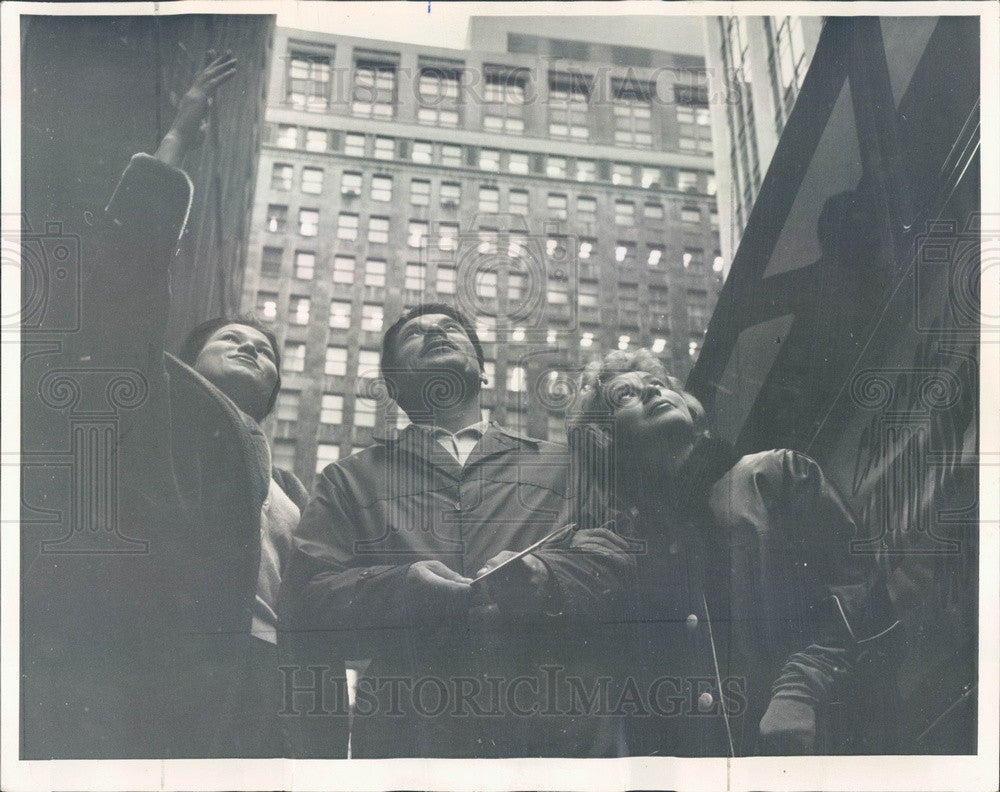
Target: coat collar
x=496 y=439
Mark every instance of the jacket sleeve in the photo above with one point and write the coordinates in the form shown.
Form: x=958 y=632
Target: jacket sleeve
x=325 y=590
x=591 y=570
x=833 y=602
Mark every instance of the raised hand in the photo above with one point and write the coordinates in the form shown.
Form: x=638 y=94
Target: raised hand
x=436 y=592
x=188 y=129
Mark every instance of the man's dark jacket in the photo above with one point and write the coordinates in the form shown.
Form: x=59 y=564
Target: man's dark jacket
x=405 y=500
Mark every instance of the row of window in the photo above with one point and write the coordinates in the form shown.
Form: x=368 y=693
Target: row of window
x=489 y=159
x=449 y=195
x=446 y=234
x=441 y=93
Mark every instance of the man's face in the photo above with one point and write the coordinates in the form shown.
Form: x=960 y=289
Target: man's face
x=239 y=361
x=433 y=345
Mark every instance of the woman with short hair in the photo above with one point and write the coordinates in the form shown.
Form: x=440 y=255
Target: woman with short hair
x=752 y=628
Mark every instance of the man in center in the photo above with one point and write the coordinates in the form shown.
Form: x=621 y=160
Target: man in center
x=389 y=549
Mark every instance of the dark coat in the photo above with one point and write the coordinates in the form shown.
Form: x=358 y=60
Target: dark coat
x=748 y=593
x=163 y=635
x=405 y=500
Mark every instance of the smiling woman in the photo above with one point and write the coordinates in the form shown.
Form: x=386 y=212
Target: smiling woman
x=747 y=601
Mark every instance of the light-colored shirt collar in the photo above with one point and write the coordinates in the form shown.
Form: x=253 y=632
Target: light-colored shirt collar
x=459 y=444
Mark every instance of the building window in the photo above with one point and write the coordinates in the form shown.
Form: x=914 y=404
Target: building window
x=486 y=329
x=385 y=148
x=317 y=139
x=713 y=218
x=489 y=160
x=336 y=361
x=452 y=156
x=340 y=314
x=516 y=285
x=451 y=195
x=517 y=200
x=655 y=255
x=625 y=253
x=568 y=97
x=277 y=218
x=586 y=249
x=490 y=372
x=312 y=181
x=422 y=152
x=350 y=184
x=633 y=112
x=557 y=206
x=555 y=168
x=294 y=357
x=624 y=213
x=446 y=278
x=267 y=305
x=420 y=192
x=378 y=230
x=516 y=381
x=283 y=454
x=691 y=214
x=364 y=411
x=287 y=406
x=414 y=278
x=486 y=285
x=437 y=90
x=586 y=170
x=270 y=261
x=375 y=273
x=693 y=259
x=694 y=133
x=503 y=101
x=558 y=291
x=651 y=178
x=382 y=188
x=347 y=226
x=697 y=310
x=298 y=310
x=489 y=199
x=288 y=136
x=586 y=209
x=687 y=181
x=588 y=296
x=374 y=94
x=787 y=62
x=281 y=177
x=326 y=454
x=653 y=211
x=447 y=236
x=308 y=222
x=621 y=174
x=518 y=163
x=305 y=265
x=368 y=361
x=416 y=233
x=371 y=318
x=331 y=411
x=343 y=270
x=354 y=145
x=308 y=82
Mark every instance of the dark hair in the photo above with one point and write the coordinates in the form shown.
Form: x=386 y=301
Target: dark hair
x=199 y=335
x=388 y=361
x=596 y=462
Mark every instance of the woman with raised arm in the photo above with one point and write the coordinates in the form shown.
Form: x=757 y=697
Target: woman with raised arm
x=188 y=629
x=752 y=628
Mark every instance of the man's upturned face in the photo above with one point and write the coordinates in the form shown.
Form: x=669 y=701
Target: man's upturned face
x=435 y=346
x=239 y=361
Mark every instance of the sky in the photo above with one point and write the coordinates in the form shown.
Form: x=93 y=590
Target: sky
x=446 y=25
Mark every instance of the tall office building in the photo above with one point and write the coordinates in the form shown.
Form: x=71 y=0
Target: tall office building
x=756 y=65
x=561 y=191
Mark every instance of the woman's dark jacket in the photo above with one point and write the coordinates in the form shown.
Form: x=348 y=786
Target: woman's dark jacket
x=749 y=595
x=163 y=635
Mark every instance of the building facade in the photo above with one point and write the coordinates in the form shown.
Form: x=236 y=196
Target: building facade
x=756 y=65
x=560 y=192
